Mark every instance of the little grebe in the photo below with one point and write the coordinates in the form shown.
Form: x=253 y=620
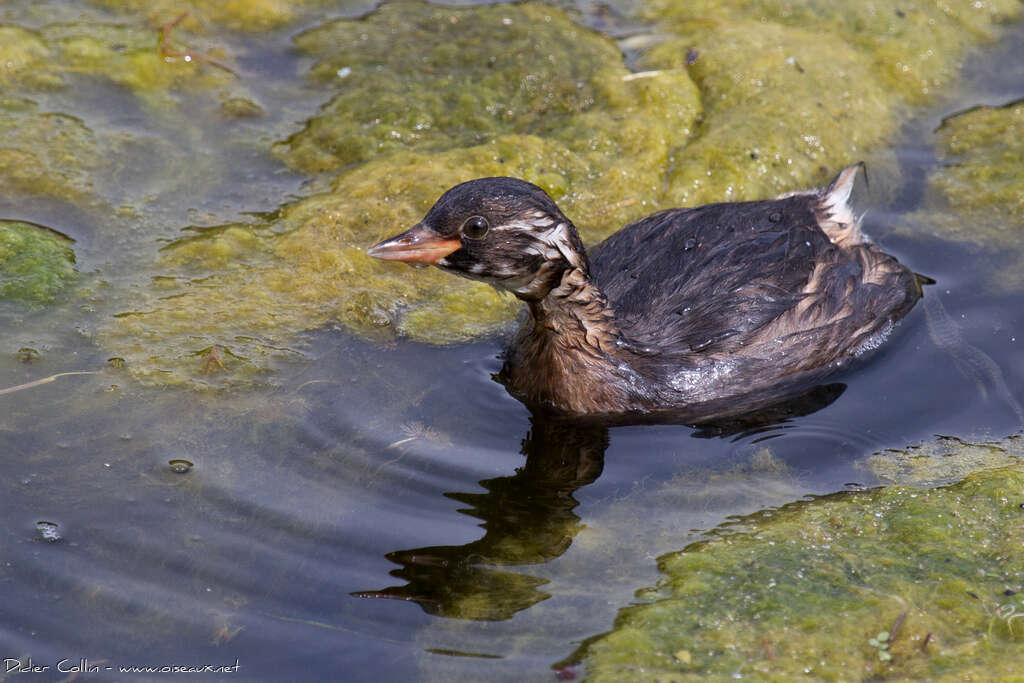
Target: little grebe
x=702 y=312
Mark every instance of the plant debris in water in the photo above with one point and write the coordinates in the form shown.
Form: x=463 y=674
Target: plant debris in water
x=896 y=582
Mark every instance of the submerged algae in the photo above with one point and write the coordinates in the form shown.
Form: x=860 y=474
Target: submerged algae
x=36 y=264
x=95 y=115
x=976 y=194
x=239 y=15
x=21 y=51
x=128 y=55
x=802 y=589
x=60 y=149
x=942 y=461
x=45 y=153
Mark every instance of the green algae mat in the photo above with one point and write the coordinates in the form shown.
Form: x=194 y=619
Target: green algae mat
x=36 y=264
x=896 y=583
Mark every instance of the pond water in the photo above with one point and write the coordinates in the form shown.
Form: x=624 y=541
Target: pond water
x=383 y=510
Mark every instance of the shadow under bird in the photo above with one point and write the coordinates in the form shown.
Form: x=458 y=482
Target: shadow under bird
x=688 y=314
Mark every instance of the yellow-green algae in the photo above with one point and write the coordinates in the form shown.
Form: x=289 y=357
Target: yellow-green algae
x=126 y=54
x=793 y=89
x=784 y=109
x=801 y=590
x=983 y=169
x=912 y=47
x=416 y=76
x=36 y=264
x=21 y=51
x=976 y=193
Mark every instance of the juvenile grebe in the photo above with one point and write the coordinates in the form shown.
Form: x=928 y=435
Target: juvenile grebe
x=697 y=312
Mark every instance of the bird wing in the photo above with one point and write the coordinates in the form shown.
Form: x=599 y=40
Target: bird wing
x=740 y=278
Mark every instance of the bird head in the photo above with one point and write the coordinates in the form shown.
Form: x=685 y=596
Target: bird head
x=502 y=231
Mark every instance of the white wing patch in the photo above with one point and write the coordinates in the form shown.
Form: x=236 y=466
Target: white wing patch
x=835 y=213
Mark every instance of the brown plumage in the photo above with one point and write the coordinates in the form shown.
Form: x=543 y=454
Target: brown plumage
x=687 y=314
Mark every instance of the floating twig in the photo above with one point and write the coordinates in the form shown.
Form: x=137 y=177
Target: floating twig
x=896 y=626
x=46 y=380
x=168 y=54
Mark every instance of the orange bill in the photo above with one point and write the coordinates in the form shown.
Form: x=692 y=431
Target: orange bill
x=418 y=244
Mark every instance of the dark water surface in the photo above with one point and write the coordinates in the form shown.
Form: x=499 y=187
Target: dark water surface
x=388 y=512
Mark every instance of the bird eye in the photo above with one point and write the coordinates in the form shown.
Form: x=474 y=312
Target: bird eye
x=475 y=227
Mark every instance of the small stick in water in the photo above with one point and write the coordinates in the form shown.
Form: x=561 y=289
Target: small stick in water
x=45 y=380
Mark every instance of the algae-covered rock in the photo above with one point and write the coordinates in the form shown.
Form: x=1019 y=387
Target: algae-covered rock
x=240 y=108
x=36 y=263
x=892 y=583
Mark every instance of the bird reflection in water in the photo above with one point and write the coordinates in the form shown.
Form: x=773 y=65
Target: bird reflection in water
x=529 y=517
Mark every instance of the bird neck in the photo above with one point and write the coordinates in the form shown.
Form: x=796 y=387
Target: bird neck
x=568 y=355
x=577 y=316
